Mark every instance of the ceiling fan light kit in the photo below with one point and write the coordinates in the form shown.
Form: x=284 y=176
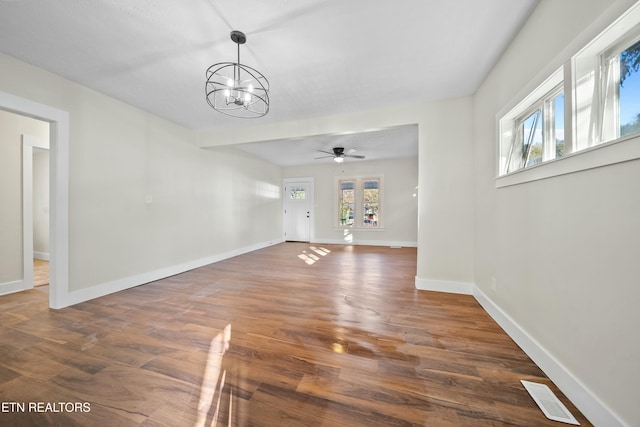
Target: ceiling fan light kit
x=236 y=89
x=339 y=155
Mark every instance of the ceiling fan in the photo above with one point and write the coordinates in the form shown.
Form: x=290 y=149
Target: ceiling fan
x=339 y=155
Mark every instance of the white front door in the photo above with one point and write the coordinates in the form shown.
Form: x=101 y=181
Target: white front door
x=298 y=207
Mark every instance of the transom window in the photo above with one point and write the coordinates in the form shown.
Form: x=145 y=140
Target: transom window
x=604 y=90
x=629 y=97
x=540 y=133
x=621 y=95
x=533 y=132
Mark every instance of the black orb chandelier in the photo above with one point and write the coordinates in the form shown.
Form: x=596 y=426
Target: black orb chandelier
x=235 y=89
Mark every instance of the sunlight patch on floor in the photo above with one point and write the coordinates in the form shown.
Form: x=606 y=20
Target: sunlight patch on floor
x=320 y=251
x=307 y=257
x=311 y=257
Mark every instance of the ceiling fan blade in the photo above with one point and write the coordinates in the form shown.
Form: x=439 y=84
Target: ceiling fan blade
x=322 y=157
x=326 y=152
x=354 y=156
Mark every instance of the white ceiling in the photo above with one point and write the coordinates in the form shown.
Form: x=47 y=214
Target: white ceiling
x=396 y=142
x=322 y=57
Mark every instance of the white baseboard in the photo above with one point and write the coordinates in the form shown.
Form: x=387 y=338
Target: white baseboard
x=357 y=242
x=44 y=256
x=589 y=404
x=444 y=286
x=97 y=291
x=11 y=287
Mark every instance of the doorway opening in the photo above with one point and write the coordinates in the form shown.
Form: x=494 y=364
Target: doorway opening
x=35 y=210
x=58 y=121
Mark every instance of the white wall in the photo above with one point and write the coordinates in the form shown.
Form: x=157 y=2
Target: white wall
x=399 y=207
x=564 y=250
x=445 y=231
x=12 y=127
x=41 y=204
x=118 y=155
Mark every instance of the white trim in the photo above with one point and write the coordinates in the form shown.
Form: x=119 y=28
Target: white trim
x=58 y=189
x=59 y=208
x=44 y=256
x=443 y=286
x=27 y=213
x=103 y=289
x=618 y=151
x=11 y=287
x=361 y=242
x=360 y=228
x=29 y=142
x=588 y=403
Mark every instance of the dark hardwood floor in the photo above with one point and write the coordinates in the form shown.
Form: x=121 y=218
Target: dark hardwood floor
x=291 y=335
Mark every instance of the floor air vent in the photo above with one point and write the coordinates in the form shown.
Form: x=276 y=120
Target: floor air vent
x=549 y=403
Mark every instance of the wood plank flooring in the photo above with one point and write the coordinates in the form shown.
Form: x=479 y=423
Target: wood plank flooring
x=40 y=272
x=291 y=335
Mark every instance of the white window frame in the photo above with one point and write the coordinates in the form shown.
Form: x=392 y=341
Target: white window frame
x=585 y=146
x=337 y=211
x=610 y=92
x=549 y=122
x=596 y=113
x=358 y=209
x=546 y=108
x=362 y=188
x=510 y=123
x=518 y=141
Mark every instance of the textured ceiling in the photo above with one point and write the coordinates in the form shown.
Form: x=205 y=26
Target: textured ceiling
x=322 y=57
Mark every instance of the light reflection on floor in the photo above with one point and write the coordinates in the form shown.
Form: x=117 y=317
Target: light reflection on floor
x=211 y=389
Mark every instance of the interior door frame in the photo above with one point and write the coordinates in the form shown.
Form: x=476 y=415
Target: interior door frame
x=58 y=190
x=29 y=142
x=311 y=183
